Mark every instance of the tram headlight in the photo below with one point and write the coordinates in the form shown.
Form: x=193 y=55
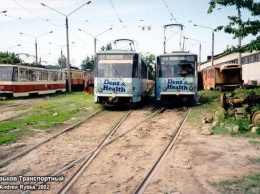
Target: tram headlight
x=100 y=89
x=164 y=88
x=128 y=90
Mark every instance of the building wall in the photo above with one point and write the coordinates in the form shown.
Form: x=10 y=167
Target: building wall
x=250 y=65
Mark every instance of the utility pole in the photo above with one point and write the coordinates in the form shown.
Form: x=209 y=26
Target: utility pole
x=212 y=49
x=239 y=38
x=67 y=38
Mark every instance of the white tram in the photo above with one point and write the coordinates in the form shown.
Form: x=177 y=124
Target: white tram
x=19 y=80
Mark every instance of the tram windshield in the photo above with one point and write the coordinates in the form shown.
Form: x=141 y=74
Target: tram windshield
x=8 y=73
x=176 y=66
x=114 y=66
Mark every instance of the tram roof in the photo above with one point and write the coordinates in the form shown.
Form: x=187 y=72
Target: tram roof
x=28 y=67
x=117 y=52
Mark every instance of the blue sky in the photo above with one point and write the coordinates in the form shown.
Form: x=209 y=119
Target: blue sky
x=31 y=18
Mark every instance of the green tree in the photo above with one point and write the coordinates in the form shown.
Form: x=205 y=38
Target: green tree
x=107 y=47
x=62 y=62
x=9 y=58
x=149 y=59
x=247 y=27
x=88 y=63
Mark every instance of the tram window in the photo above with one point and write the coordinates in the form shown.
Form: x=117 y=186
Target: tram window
x=163 y=72
x=6 y=73
x=44 y=75
x=32 y=75
x=65 y=75
x=72 y=75
x=15 y=74
x=51 y=76
x=101 y=73
x=24 y=75
x=38 y=75
x=55 y=76
x=143 y=70
x=158 y=67
x=169 y=72
x=59 y=75
x=135 y=66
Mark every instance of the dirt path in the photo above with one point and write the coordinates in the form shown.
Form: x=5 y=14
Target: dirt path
x=197 y=160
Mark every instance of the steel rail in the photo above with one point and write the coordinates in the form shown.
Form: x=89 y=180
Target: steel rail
x=13 y=105
x=83 y=157
x=71 y=181
x=44 y=141
x=94 y=149
x=146 y=181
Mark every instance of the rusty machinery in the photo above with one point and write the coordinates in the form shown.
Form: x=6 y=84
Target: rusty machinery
x=240 y=107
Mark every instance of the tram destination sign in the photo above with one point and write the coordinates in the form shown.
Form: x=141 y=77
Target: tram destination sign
x=177 y=58
x=115 y=57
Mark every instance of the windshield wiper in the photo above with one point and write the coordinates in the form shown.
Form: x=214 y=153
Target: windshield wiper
x=116 y=71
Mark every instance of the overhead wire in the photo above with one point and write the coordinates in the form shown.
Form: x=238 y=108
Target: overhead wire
x=46 y=20
x=119 y=18
x=169 y=11
x=25 y=22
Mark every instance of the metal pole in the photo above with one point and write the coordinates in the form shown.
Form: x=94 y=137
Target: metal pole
x=67 y=34
x=95 y=45
x=68 y=56
x=61 y=63
x=183 y=43
x=199 y=56
x=239 y=38
x=164 y=43
x=36 y=53
x=212 y=53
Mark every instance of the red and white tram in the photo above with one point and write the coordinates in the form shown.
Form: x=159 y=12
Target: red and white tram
x=19 y=80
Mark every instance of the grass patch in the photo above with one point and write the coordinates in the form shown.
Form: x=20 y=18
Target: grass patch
x=255 y=143
x=209 y=100
x=208 y=96
x=254 y=160
x=57 y=110
x=12 y=136
x=247 y=184
x=5 y=102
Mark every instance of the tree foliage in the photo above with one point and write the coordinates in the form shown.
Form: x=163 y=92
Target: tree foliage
x=149 y=59
x=247 y=27
x=88 y=63
x=107 y=47
x=62 y=62
x=9 y=58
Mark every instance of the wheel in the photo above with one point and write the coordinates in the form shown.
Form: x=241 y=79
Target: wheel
x=256 y=118
x=223 y=101
x=218 y=114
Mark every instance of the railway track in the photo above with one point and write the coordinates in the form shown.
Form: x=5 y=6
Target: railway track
x=76 y=169
x=12 y=111
x=7 y=112
x=121 y=165
x=24 y=102
x=105 y=142
x=46 y=140
x=146 y=181
x=88 y=157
